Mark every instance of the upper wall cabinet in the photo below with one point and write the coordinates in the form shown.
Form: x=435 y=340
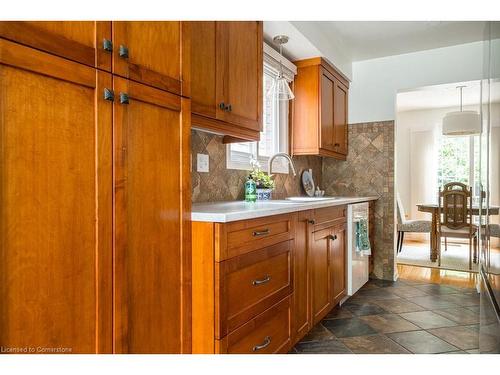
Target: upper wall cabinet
x=153 y=53
x=319 y=125
x=86 y=42
x=226 y=71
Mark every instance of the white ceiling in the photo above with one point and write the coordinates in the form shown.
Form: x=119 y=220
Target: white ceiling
x=443 y=96
x=363 y=40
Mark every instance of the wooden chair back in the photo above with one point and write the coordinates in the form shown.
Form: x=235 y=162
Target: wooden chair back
x=455 y=206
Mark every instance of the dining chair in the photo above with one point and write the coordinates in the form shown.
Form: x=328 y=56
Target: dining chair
x=455 y=216
x=413 y=226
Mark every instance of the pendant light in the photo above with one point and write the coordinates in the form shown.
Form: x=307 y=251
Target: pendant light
x=280 y=85
x=461 y=122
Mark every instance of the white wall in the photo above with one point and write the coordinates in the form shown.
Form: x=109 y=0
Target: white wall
x=375 y=83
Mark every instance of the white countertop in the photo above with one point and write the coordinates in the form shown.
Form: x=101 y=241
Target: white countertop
x=224 y=212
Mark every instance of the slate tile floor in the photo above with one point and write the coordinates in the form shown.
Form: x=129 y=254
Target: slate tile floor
x=399 y=317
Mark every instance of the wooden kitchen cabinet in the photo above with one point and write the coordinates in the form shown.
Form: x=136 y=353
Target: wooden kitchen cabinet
x=242 y=285
x=319 y=266
x=56 y=199
x=153 y=53
x=80 y=41
x=338 y=263
x=319 y=125
x=321 y=273
x=152 y=268
x=226 y=71
x=301 y=318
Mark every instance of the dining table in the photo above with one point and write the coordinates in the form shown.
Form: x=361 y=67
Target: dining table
x=432 y=208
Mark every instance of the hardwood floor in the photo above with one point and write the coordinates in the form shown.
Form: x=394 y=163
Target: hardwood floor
x=437 y=276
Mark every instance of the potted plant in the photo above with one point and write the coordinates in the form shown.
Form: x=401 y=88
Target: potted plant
x=263 y=181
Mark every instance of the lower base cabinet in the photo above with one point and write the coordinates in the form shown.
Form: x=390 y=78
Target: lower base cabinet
x=260 y=285
x=242 y=285
x=319 y=267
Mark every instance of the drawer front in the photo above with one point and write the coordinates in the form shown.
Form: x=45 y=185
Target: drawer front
x=244 y=236
x=267 y=333
x=326 y=216
x=250 y=284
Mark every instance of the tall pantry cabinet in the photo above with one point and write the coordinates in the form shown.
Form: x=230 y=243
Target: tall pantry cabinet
x=94 y=188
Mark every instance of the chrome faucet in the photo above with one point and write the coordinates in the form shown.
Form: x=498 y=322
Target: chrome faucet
x=286 y=156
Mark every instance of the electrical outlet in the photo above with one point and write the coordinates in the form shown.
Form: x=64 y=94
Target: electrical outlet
x=202 y=163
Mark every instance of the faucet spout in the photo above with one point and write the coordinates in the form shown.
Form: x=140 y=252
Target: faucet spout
x=286 y=156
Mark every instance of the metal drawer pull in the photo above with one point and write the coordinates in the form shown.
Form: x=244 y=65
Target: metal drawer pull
x=123 y=52
x=261 y=232
x=265 y=344
x=311 y=221
x=266 y=279
x=333 y=238
x=124 y=98
x=107 y=45
x=109 y=94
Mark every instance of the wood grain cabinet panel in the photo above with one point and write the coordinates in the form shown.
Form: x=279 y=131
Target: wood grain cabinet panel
x=152 y=229
x=301 y=320
x=80 y=41
x=153 y=53
x=321 y=283
x=267 y=333
x=249 y=284
x=227 y=69
x=56 y=203
x=338 y=264
x=319 y=125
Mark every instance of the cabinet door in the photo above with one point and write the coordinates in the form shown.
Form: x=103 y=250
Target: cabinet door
x=301 y=312
x=80 y=41
x=320 y=274
x=337 y=260
x=56 y=204
x=152 y=228
x=203 y=70
x=153 y=53
x=340 y=118
x=327 y=87
x=239 y=73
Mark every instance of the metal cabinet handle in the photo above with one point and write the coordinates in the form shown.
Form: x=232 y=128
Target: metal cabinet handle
x=124 y=98
x=229 y=108
x=333 y=238
x=261 y=232
x=266 y=279
x=336 y=145
x=311 y=221
x=265 y=344
x=123 y=52
x=222 y=106
x=109 y=95
x=107 y=45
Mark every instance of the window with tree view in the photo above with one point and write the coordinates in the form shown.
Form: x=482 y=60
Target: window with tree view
x=458 y=161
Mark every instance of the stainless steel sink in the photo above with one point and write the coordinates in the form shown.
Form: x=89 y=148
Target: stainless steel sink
x=310 y=199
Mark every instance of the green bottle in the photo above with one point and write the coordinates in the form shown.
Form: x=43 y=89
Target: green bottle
x=250 y=190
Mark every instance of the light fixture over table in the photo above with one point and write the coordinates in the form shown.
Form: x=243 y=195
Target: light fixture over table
x=280 y=85
x=462 y=122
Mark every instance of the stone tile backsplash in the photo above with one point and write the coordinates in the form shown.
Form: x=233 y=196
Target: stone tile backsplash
x=369 y=170
x=222 y=184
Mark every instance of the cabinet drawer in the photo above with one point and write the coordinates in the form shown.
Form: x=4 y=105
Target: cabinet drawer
x=250 y=284
x=267 y=333
x=324 y=217
x=241 y=237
